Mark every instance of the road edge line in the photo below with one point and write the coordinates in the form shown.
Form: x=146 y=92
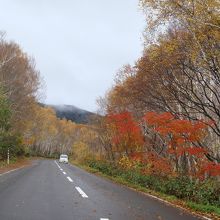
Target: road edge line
x=146 y=194
x=1 y=174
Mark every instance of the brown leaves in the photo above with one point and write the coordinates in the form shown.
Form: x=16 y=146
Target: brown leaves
x=20 y=80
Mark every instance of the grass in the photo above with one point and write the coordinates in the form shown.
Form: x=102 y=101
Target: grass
x=204 y=208
x=210 y=211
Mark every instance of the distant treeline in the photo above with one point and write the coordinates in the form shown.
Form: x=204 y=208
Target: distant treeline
x=25 y=126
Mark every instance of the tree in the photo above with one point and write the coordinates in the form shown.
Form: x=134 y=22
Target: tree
x=5 y=117
x=173 y=76
x=188 y=56
x=125 y=132
x=5 y=113
x=182 y=137
x=20 y=81
x=7 y=139
x=194 y=15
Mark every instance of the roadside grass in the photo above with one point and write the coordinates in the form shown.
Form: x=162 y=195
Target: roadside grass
x=204 y=208
x=211 y=211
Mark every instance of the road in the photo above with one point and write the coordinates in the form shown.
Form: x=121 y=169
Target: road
x=48 y=190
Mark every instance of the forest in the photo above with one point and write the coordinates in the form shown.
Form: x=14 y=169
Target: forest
x=157 y=127
x=160 y=125
x=28 y=128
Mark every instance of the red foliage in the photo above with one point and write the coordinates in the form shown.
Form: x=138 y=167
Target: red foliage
x=181 y=133
x=125 y=129
x=196 y=151
x=212 y=169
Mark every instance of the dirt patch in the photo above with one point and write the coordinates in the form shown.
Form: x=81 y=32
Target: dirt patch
x=21 y=162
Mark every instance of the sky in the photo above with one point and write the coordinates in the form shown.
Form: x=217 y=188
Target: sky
x=78 y=45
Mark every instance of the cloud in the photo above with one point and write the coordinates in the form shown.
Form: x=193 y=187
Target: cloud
x=78 y=45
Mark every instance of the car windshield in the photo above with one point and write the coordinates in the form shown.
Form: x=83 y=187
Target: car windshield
x=63 y=156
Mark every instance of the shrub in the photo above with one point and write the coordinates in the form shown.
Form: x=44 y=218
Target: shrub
x=206 y=192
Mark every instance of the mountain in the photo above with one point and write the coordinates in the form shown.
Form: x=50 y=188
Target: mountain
x=72 y=113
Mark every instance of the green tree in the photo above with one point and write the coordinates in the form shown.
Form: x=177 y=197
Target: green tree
x=5 y=116
x=5 y=113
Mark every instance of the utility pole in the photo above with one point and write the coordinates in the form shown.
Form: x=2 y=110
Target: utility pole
x=8 y=157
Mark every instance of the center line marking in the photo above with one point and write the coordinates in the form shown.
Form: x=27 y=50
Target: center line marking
x=69 y=179
x=104 y=218
x=57 y=164
x=61 y=169
x=81 y=192
x=64 y=173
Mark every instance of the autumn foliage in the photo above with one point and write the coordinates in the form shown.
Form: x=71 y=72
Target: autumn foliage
x=172 y=91
x=182 y=153
x=181 y=138
x=125 y=132
x=181 y=133
x=152 y=164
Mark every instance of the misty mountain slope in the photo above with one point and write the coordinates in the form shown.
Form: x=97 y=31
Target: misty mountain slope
x=72 y=113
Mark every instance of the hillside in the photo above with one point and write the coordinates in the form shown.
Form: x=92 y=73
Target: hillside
x=72 y=113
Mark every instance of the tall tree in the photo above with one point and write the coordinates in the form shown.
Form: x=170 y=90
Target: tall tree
x=20 y=80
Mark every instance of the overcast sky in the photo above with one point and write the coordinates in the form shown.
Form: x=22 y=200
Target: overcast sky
x=78 y=45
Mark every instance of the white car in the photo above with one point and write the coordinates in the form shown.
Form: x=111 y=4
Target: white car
x=63 y=158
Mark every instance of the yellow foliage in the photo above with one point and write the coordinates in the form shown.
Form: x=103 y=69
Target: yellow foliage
x=81 y=151
x=127 y=163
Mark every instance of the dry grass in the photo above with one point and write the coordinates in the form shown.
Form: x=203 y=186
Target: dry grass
x=14 y=164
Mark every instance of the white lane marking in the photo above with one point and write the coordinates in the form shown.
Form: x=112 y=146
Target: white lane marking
x=69 y=179
x=157 y=198
x=61 y=169
x=1 y=174
x=56 y=163
x=81 y=192
x=64 y=173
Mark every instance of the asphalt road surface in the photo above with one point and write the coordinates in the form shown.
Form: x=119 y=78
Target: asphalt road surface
x=48 y=190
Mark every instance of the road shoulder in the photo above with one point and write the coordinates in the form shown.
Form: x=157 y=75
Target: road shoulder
x=158 y=196
x=15 y=165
